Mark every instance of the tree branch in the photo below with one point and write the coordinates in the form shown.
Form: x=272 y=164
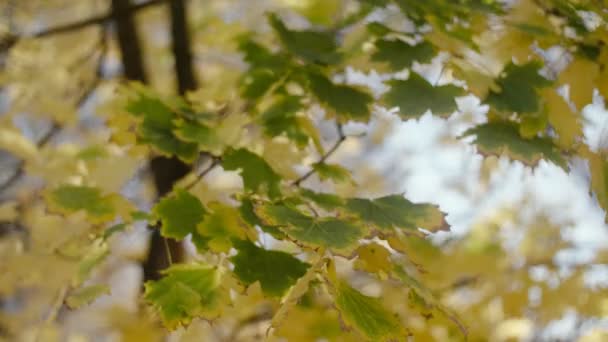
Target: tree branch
x=341 y=138
x=96 y=20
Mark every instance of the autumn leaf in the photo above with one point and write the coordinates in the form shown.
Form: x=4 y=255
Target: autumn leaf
x=187 y=291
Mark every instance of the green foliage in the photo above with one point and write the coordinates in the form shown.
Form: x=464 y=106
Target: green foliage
x=367 y=314
x=346 y=102
x=394 y=211
x=497 y=138
x=399 y=54
x=260 y=120
x=416 y=95
x=157 y=127
x=72 y=198
x=518 y=86
x=187 y=291
x=311 y=46
x=340 y=236
x=179 y=215
x=334 y=172
x=276 y=271
x=257 y=174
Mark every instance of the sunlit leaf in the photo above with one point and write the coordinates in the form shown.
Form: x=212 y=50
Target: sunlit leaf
x=179 y=214
x=367 y=314
x=374 y=258
x=72 y=198
x=186 y=292
x=220 y=226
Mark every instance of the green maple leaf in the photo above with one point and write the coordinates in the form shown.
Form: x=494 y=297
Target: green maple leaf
x=281 y=118
x=347 y=102
x=324 y=200
x=186 y=292
x=337 y=235
x=265 y=68
x=415 y=96
x=257 y=174
x=395 y=211
x=276 y=271
x=399 y=54
x=334 y=172
x=367 y=314
x=220 y=226
x=311 y=46
x=72 y=198
x=157 y=127
x=518 y=88
x=248 y=214
x=497 y=138
x=200 y=134
x=179 y=214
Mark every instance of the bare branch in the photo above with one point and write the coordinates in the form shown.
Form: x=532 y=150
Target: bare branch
x=341 y=138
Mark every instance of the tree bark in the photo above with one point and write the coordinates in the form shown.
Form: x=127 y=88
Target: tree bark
x=133 y=65
x=166 y=171
x=186 y=77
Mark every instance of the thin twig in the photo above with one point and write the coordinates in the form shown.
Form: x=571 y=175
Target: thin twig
x=96 y=20
x=168 y=251
x=341 y=138
x=214 y=162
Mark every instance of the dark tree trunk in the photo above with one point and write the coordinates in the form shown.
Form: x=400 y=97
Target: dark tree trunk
x=186 y=78
x=132 y=61
x=166 y=171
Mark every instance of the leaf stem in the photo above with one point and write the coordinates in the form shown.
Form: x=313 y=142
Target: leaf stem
x=341 y=138
x=215 y=161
